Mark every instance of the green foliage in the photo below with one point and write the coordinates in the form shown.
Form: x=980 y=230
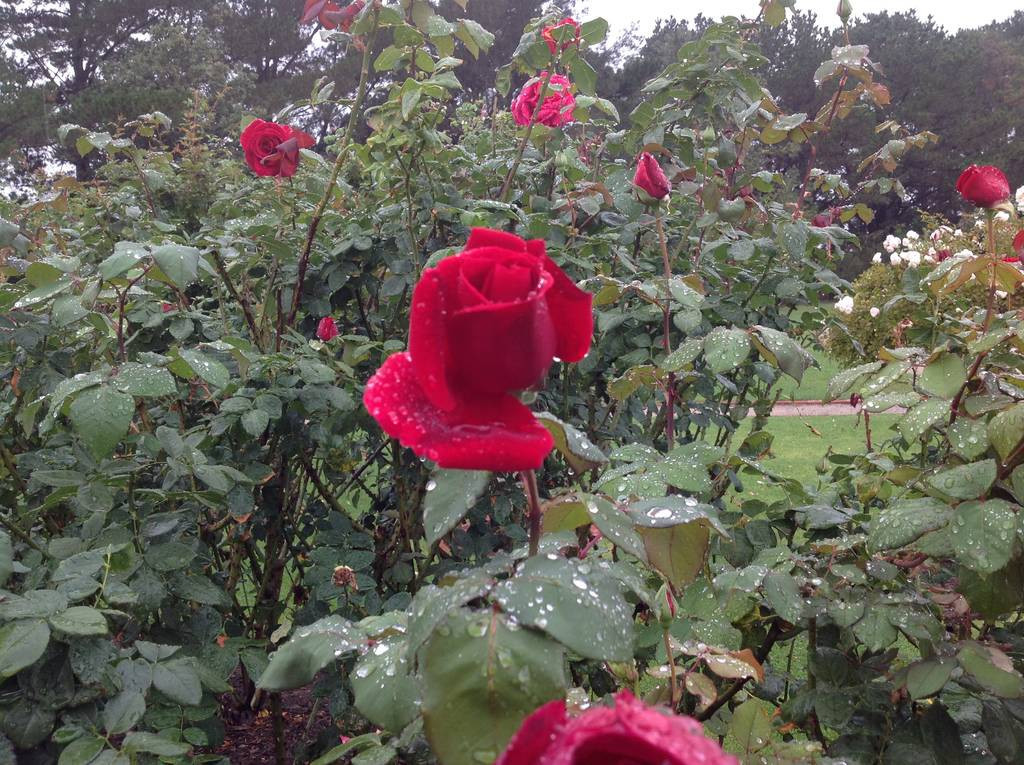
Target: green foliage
x=192 y=493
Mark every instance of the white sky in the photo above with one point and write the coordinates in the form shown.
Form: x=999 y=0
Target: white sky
x=952 y=14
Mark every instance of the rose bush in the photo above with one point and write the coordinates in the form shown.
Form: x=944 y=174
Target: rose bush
x=198 y=516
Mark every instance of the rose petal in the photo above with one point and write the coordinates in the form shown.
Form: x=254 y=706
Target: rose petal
x=428 y=340
x=570 y=307
x=495 y=433
x=536 y=733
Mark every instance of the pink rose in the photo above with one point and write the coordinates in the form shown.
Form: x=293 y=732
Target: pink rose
x=630 y=732
x=558 y=103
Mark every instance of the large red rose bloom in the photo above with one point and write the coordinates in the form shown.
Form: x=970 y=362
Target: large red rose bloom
x=485 y=324
x=630 y=733
x=558 y=103
x=273 y=149
x=983 y=186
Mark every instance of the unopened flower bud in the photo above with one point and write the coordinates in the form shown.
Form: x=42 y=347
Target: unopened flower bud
x=845 y=10
x=665 y=607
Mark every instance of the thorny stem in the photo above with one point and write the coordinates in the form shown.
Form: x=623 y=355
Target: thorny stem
x=343 y=150
x=507 y=185
x=670 y=386
x=533 y=500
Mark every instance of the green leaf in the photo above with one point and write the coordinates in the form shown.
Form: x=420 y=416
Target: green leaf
x=255 y=421
x=432 y=604
x=412 y=91
x=875 y=629
x=984 y=534
x=81 y=751
x=906 y=521
x=170 y=556
x=916 y=422
x=179 y=263
x=969 y=438
x=101 y=417
x=450 y=495
x=725 y=349
x=574 y=602
x=80 y=620
x=584 y=76
x=142 y=741
x=616 y=525
x=679 y=551
x=178 y=680
x=944 y=375
x=966 y=481
x=850 y=380
x=594 y=31
x=926 y=678
x=992 y=669
x=572 y=444
x=1006 y=430
x=780 y=350
x=123 y=711
x=34 y=604
x=44 y=293
x=309 y=650
x=21 y=643
x=750 y=729
x=208 y=369
x=564 y=513
x=144 y=380
x=126 y=256
x=385 y=689
x=793 y=237
x=481 y=677
x=783 y=594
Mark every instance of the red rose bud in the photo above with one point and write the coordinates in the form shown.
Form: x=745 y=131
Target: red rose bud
x=629 y=732
x=983 y=186
x=166 y=307
x=326 y=329
x=558 y=103
x=485 y=324
x=272 y=149
x=650 y=178
x=1018 y=248
x=567 y=41
x=942 y=255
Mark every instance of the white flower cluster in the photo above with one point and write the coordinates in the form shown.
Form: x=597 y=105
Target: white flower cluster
x=1019 y=195
x=845 y=304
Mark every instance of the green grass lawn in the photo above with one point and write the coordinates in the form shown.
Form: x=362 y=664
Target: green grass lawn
x=812 y=387
x=801 y=442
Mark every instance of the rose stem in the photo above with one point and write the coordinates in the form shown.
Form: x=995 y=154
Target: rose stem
x=670 y=388
x=673 y=683
x=533 y=499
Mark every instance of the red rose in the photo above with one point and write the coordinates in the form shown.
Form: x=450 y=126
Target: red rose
x=558 y=103
x=484 y=324
x=330 y=15
x=984 y=186
x=1018 y=248
x=326 y=329
x=629 y=732
x=166 y=307
x=272 y=149
x=549 y=37
x=650 y=178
